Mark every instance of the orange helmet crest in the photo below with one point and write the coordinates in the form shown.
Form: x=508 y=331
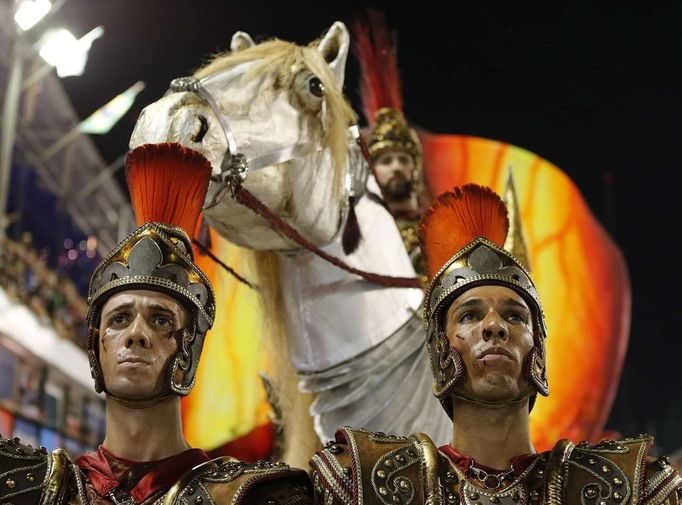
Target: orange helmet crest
x=456 y=218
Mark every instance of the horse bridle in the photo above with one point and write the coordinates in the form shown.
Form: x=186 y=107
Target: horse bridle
x=235 y=167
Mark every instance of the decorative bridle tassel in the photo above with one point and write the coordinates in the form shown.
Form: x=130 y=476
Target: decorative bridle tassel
x=351 y=232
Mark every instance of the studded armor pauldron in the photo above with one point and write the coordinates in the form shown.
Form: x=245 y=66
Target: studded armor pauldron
x=30 y=475
x=226 y=480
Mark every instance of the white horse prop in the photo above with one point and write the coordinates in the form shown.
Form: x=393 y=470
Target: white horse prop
x=271 y=118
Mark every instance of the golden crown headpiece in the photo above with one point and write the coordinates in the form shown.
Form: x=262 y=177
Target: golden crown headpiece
x=391 y=133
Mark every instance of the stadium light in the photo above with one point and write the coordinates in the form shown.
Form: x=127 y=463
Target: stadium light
x=60 y=49
x=29 y=12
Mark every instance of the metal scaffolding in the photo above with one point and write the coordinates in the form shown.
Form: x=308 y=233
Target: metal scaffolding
x=77 y=173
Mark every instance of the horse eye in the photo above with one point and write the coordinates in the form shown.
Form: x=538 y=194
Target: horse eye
x=316 y=87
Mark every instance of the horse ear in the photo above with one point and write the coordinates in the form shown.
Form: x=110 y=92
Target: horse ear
x=334 y=47
x=241 y=41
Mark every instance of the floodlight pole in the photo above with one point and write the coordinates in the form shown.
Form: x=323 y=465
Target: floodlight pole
x=9 y=123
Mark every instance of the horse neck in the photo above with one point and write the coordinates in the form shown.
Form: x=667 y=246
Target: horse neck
x=333 y=315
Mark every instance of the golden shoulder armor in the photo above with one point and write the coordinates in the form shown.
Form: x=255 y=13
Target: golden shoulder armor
x=31 y=475
x=619 y=472
x=365 y=467
x=226 y=480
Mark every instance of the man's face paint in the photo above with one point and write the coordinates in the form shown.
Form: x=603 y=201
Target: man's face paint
x=137 y=341
x=491 y=328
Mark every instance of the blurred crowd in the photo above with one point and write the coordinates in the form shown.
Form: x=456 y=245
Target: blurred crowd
x=54 y=298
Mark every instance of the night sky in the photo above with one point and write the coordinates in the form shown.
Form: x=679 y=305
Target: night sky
x=595 y=89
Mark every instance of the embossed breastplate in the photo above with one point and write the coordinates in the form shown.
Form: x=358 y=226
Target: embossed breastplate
x=524 y=489
x=366 y=468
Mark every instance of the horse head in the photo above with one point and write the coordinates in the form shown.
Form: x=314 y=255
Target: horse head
x=270 y=116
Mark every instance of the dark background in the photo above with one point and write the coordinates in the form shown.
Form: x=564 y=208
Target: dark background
x=595 y=88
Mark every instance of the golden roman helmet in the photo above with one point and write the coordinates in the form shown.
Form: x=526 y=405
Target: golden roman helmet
x=158 y=255
x=467 y=241
x=391 y=133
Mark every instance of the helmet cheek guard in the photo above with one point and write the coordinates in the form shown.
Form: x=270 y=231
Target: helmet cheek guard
x=183 y=368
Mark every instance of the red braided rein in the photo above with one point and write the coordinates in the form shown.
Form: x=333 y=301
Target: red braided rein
x=246 y=198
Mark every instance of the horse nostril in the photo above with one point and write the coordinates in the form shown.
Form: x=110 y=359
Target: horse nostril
x=203 y=128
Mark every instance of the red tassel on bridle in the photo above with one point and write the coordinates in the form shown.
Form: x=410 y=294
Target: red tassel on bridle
x=350 y=240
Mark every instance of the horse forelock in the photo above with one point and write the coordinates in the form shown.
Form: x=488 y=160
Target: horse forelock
x=283 y=61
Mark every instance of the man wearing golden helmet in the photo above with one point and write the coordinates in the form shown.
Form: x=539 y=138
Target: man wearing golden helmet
x=394 y=148
x=150 y=307
x=486 y=341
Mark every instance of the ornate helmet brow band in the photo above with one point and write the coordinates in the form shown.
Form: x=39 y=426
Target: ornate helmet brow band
x=168 y=184
x=464 y=237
